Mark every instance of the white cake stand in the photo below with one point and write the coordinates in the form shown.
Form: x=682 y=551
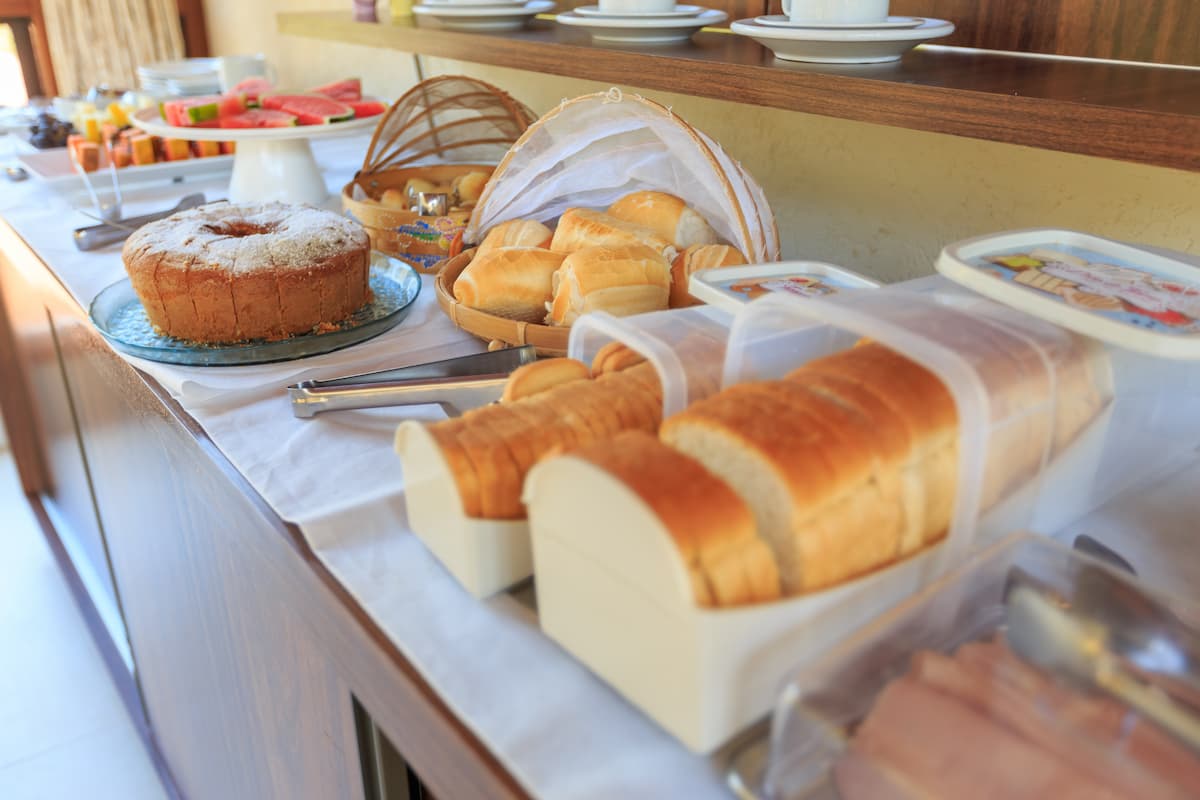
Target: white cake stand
x=269 y=163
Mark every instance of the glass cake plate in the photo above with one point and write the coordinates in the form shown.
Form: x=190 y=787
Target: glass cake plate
x=119 y=316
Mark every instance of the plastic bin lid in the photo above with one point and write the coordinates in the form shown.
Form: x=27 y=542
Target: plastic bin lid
x=730 y=288
x=1127 y=296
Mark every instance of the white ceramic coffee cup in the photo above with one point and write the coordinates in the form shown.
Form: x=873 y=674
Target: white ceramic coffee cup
x=636 y=6
x=849 y=11
x=232 y=70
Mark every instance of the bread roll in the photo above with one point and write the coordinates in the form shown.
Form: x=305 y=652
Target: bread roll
x=394 y=198
x=666 y=214
x=467 y=188
x=512 y=282
x=623 y=280
x=414 y=186
x=709 y=524
x=516 y=233
x=538 y=377
x=695 y=258
x=581 y=227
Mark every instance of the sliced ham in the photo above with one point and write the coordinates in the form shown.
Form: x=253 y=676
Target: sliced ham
x=943 y=748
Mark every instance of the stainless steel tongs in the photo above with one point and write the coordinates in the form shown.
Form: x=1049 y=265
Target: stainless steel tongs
x=456 y=384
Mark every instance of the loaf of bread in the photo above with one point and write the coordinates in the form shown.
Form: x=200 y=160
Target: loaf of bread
x=516 y=233
x=665 y=214
x=622 y=280
x=693 y=259
x=851 y=462
x=512 y=282
x=706 y=520
x=539 y=376
x=580 y=228
x=490 y=449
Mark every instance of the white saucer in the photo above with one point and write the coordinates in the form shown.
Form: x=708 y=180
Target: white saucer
x=475 y=3
x=857 y=46
x=464 y=17
x=634 y=30
x=678 y=11
x=782 y=21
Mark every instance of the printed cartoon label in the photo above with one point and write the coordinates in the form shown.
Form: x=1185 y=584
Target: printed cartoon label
x=803 y=285
x=1101 y=285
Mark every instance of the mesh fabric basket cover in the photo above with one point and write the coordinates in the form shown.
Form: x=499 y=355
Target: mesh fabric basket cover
x=594 y=149
x=441 y=128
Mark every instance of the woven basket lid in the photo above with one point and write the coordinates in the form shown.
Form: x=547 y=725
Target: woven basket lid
x=450 y=118
x=594 y=149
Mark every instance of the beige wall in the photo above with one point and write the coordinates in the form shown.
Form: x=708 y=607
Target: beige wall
x=877 y=199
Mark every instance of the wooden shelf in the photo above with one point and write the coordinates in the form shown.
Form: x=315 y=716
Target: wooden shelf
x=1147 y=114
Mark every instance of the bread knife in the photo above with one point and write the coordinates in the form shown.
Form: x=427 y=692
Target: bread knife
x=456 y=384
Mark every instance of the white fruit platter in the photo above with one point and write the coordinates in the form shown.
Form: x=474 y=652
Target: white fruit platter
x=269 y=163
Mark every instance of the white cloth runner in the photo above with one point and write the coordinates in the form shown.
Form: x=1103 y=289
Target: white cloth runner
x=558 y=729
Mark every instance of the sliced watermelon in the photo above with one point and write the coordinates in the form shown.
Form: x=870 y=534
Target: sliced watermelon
x=367 y=108
x=252 y=88
x=310 y=109
x=349 y=90
x=188 y=112
x=231 y=104
x=259 y=118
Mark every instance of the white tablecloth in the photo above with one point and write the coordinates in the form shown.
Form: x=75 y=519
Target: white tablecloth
x=558 y=729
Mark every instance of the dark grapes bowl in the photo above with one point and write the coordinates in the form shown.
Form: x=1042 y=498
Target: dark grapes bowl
x=48 y=131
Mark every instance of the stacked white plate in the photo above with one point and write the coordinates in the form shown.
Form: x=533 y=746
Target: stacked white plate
x=841 y=42
x=642 y=27
x=182 y=78
x=483 y=15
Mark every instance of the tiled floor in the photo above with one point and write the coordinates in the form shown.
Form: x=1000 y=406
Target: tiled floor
x=64 y=733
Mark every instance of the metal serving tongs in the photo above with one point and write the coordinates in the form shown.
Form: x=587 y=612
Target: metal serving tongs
x=1109 y=637
x=456 y=384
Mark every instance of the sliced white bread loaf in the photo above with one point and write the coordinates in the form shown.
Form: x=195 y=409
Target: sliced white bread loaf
x=706 y=520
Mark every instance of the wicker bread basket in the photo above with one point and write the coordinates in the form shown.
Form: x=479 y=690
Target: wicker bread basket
x=546 y=339
x=440 y=129
x=589 y=152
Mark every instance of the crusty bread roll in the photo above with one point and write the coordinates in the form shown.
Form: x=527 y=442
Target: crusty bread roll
x=666 y=214
x=414 y=186
x=516 y=233
x=541 y=375
x=706 y=520
x=622 y=280
x=467 y=188
x=581 y=227
x=693 y=259
x=512 y=282
x=394 y=198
